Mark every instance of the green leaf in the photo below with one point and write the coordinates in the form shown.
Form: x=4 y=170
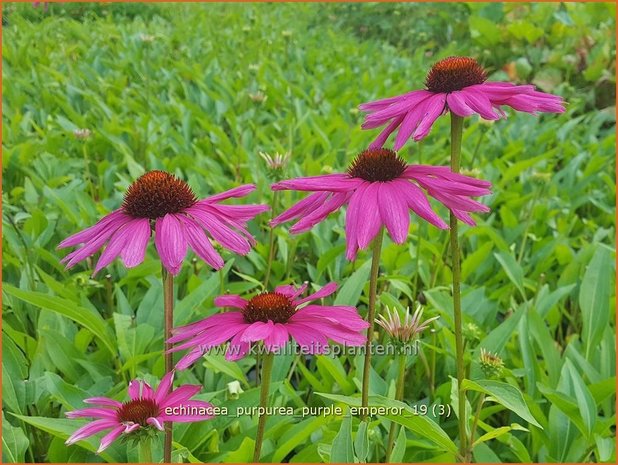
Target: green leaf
x=513 y=270
x=504 y=394
x=585 y=401
x=86 y=317
x=361 y=442
x=594 y=298
x=351 y=291
x=14 y=443
x=399 y=449
x=419 y=424
x=342 y=450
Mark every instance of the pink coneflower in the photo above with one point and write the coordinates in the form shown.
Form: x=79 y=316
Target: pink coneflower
x=457 y=84
x=380 y=189
x=145 y=409
x=160 y=202
x=271 y=317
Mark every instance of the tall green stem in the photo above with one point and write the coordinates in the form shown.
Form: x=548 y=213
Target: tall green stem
x=373 y=287
x=271 y=241
x=398 y=396
x=168 y=317
x=456 y=132
x=267 y=368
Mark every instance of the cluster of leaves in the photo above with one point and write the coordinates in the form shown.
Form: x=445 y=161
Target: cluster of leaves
x=200 y=90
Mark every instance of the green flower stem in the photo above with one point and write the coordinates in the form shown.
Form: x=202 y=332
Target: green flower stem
x=267 y=368
x=398 y=396
x=145 y=451
x=168 y=317
x=477 y=416
x=271 y=241
x=373 y=287
x=456 y=132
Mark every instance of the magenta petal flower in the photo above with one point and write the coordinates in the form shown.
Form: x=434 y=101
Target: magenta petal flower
x=271 y=317
x=146 y=408
x=161 y=202
x=380 y=189
x=456 y=84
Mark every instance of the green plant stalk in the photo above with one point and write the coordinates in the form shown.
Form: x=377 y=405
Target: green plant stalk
x=271 y=241
x=398 y=396
x=477 y=416
x=145 y=451
x=456 y=133
x=373 y=287
x=168 y=317
x=267 y=368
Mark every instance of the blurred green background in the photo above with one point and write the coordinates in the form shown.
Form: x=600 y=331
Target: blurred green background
x=96 y=94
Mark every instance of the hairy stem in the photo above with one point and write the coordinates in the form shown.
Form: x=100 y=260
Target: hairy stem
x=373 y=286
x=267 y=368
x=168 y=316
x=456 y=132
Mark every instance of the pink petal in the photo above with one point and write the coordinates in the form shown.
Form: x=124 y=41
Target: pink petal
x=325 y=291
x=164 y=387
x=308 y=204
x=230 y=300
x=312 y=341
x=291 y=291
x=212 y=336
x=353 y=216
x=404 y=105
x=200 y=243
x=237 y=349
x=218 y=319
x=134 y=389
x=115 y=245
x=320 y=213
x=379 y=141
x=155 y=422
x=328 y=182
x=394 y=212
x=188 y=360
x=180 y=395
x=369 y=224
x=134 y=250
x=435 y=107
x=418 y=203
x=480 y=103
x=224 y=235
x=110 y=437
x=92 y=413
x=171 y=242
x=103 y=401
x=90 y=429
x=257 y=331
x=239 y=191
x=277 y=338
x=107 y=224
x=457 y=104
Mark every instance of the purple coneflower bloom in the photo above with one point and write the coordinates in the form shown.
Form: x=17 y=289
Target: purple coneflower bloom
x=161 y=202
x=271 y=317
x=146 y=408
x=380 y=189
x=456 y=84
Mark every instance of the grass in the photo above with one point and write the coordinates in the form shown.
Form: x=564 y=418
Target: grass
x=199 y=90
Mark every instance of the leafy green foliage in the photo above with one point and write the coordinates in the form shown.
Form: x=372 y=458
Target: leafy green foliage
x=200 y=90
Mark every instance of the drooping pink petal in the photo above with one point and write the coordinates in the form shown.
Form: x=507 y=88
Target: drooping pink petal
x=103 y=401
x=105 y=225
x=116 y=244
x=402 y=105
x=344 y=315
x=369 y=224
x=385 y=102
x=218 y=319
x=171 y=242
x=337 y=332
x=134 y=389
x=435 y=107
x=308 y=338
x=277 y=338
x=328 y=182
x=239 y=212
x=418 y=203
x=190 y=358
x=239 y=191
x=457 y=104
x=379 y=141
x=257 y=331
x=320 y=213
x=110 y=437
x=325 y=291
x=211 y=336
x=134 y=249
x=90 y=429
x=230 y=300
x=480 y=103
x=353 y=216
x=307 y=204
x=394 y=212
x=237 y=348
x=130 y=427
x=459 y=202
x=92 y=413
x=224 y=235
x=200 y=243
x=410 y=122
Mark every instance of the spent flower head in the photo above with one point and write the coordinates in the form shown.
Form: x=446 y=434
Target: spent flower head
x=276 y=163
x=404 y=330
x=82 y=134
x=491 y=364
